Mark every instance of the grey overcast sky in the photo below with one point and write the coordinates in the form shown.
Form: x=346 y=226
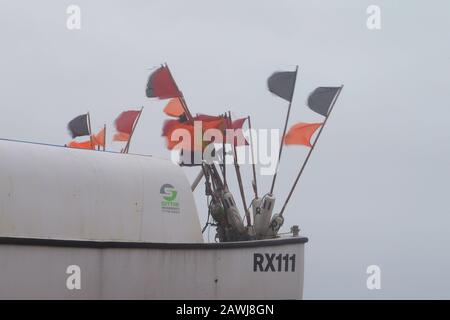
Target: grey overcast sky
x=376 y=189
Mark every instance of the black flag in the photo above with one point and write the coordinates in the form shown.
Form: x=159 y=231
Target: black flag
x=79 y=126
x=321 y=99
x=282 y=84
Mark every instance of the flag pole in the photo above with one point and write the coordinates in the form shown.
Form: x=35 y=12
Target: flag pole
x=284 y=133
x=310 y=151
x=181 y=98
x=104 y=137
x=224 y=154
x=254 y=184
x=197 y=180
x=89 y=129
x=239 y=178
x=127 y=146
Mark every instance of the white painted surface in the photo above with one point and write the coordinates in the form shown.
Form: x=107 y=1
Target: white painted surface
x=64 y=193
x=38 y=272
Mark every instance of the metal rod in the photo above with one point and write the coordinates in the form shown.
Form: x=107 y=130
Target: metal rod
x=224 y=169
x=181 y=98
x=197 y=180
x=127 y=146
x=90 y=131
x=239 y=178
x=104 y=137
x=284 y=133
x=185 y=107
x=310 y=151
x=254 y=184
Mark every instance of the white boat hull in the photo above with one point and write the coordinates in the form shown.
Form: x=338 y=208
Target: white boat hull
x=44 y=269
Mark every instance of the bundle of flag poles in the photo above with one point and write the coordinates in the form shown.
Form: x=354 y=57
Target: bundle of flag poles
x=80 y=126
x=321 y=101
x=185 y=132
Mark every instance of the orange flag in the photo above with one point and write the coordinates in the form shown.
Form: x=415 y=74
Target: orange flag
x=121 y=136
x=301 y=133
x=191 y=145
x=99 y=138
x=81 y=145
x=174 y=108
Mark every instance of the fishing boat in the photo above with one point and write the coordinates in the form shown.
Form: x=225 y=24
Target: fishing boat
x=85 y=224
x=80 y=223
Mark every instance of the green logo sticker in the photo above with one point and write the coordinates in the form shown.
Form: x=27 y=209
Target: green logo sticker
x=169 y=195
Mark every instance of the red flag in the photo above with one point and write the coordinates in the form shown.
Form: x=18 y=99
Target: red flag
x=174 y=108
x=208 y=122
x=173 y=143
x=236 y=126
x=125 y=121
x=301 y=133
x=161 y=85
x=168 y=125
x=206 y=117
x=212 y=122
x=171 y=125
x=239 y=139
x=238 y=123
x=81 y=145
